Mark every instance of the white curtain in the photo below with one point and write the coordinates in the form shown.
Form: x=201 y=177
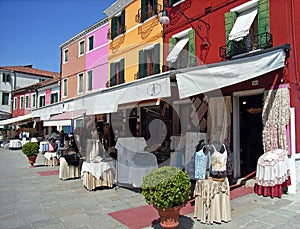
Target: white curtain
x=219 y=119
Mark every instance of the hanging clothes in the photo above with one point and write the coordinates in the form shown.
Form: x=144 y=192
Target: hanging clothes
x=275 y=117
x=219 y=119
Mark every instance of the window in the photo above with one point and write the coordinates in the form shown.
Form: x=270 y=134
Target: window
x=33 y=100
x=42 y=100
x=248 y=27
x=118 y=25
x=91 y=43
x=80 y=83
x=5 y=78
x=54 y=98
x=182 y=50
x=15 y=103
x=90 y=80
x=21 y=102
x=148 y=9
x=81 y=48
x=65 y=87
x=27 y=101
x=149 y=61
x=117 y=72
x=5 y=98
x=66 y=56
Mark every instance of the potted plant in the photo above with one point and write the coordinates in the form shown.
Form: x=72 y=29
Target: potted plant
x=31 y=150
x=167 y=189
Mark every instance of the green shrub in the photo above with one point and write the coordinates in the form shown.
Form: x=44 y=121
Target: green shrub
x=166 y=187
x=30 y=148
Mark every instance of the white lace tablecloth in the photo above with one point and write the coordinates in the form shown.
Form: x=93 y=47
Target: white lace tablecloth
x=49 y=156
x=272 y=168
x=96 y=169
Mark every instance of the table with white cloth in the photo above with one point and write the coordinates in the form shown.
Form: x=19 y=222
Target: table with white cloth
x=272 y=173
x=212 y=201
x=98 y=174
x=15 y=144
x=50 y=159
x=67 y=171
x=133 y=162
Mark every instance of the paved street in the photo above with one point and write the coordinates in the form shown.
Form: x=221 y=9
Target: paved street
x=29 y=200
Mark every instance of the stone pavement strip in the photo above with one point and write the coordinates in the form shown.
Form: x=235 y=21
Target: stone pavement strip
x=29 y=200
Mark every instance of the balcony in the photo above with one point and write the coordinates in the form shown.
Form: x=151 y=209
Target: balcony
x=112 y=33
x=245 y=45
x=147 y=12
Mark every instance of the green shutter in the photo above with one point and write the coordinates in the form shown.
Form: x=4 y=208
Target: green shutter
x=230 y=18
x=142 y=64
x=90 y=80
x=172 y=43
x=144 y=10
x=114 y=27
x=122 y=79
x=155 y=5
x=122 y=29
x=191 y=49
x=263 y=22
x=112 y=74
x=156 y=58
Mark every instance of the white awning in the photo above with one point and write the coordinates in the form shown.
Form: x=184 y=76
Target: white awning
x=44 y=113
x=15 y=120
x=215 y=76
x=242 y=24
x=107 y=100
x=64 y=119
x=173 y=55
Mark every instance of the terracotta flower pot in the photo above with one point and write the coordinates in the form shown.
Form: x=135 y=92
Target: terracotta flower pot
x=169 y=218
x=32 y=159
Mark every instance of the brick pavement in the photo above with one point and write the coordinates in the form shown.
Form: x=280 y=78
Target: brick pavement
x=29 y=200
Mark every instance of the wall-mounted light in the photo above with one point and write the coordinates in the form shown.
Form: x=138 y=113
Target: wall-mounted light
x=164 y=19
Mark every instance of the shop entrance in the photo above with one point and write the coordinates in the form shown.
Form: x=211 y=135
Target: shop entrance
x=251 y=146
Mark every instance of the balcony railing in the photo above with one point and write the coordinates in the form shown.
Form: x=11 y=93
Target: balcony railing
x=145 y=13
x=246 y=44
x=112 y=33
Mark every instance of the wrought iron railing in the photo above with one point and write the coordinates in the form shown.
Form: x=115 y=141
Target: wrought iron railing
x=145 y=13
x=112 y=33
x=246 y=44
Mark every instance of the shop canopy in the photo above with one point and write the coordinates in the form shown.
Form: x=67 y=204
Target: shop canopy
x=15 y=120
x=215 y=76
x=107 y=100
x=64 y=119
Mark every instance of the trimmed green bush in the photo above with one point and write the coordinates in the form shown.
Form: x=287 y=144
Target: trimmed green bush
x=166 y=187
x=30 y=148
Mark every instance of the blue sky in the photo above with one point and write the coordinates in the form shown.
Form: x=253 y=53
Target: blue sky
x=33 y=30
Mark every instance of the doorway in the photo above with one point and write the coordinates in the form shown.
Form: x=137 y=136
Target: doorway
x=251 y=145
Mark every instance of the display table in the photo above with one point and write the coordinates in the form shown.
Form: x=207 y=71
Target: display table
x=50 y=159
x=15 y=144
x=98 y=174
x=212 y=201
x=272 y=173
x=67 y=171
x=133 y=162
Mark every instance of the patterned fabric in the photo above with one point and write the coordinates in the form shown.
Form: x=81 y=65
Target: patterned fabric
x=275 y=117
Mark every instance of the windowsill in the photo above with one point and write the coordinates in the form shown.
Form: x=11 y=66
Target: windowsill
x=177 y=3
x=150 y=18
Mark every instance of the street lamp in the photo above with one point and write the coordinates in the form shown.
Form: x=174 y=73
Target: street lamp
x=164 y=19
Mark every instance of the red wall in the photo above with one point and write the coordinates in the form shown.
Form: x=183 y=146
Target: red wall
x=284 y=27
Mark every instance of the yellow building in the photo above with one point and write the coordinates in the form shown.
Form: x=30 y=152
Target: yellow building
x=136 y=38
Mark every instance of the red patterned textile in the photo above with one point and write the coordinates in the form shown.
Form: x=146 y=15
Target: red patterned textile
x=272 y=191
